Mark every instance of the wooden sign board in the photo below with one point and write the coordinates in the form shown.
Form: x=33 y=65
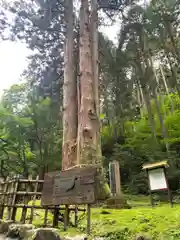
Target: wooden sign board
x=73 y=186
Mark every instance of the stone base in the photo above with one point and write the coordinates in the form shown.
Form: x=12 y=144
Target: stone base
x=117 y=202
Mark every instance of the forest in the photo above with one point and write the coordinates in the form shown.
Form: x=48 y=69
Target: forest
x=139 y=88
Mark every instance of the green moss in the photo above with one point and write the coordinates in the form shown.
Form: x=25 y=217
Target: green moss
x=159 y=223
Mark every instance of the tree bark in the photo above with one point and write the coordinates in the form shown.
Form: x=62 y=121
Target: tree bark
x=149 y=110
x=166 y=88
x=88 y=119
x=95 y=67
x=69 y=146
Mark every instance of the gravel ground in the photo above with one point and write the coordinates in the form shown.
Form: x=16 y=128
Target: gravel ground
x=2 y=237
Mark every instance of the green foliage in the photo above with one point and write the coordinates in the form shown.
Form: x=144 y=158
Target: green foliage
x=29 y=134
x=138 y=146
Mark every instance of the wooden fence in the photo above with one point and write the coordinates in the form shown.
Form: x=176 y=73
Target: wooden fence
x=18 y=202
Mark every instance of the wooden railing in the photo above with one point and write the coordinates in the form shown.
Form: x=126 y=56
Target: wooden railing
x=18 y=202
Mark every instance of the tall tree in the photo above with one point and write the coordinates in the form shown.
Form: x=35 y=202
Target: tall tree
x=69 y=95
x=88 y=119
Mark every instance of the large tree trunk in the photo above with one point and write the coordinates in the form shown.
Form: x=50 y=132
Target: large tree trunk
x=88 y=119
x=69 y=96
x=94 y=50
x=95 y=67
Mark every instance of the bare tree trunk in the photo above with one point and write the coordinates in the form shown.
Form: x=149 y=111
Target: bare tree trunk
x=95 y=67
x=166 y=87
x=146 y=98
x=94 y=50
x=164 y=79
x=69 y=96
x=154 y=82
x=88 y=119
x=149 y=110
x=140 y=99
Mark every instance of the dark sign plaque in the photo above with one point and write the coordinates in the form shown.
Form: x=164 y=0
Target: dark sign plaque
x=73 y=186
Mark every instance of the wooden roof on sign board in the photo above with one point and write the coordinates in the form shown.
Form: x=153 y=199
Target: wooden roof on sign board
x=155 y=165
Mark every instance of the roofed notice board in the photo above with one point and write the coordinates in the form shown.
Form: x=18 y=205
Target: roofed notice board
x=74 y=186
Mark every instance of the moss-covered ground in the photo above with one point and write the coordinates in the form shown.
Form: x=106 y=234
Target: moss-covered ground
x=160 y=222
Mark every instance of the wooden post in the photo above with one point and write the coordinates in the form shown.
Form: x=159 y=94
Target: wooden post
x=45 y=217
x=66 y=216
x=168 y=189
x=118 y=178
x=26 y=199
x=14 y=210
x=10 y=197
x=150 y=193
x=76 y=216
x=88 y=219
x=3 y=199
x=56 y=216
x=115 y=180
x=34 y=199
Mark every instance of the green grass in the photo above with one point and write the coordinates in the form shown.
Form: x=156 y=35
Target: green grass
x=160 y=223
x=137 y=200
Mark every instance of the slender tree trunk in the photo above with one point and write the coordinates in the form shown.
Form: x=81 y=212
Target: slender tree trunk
x=154 y=82
x=149 y=110
x=146 y=97
x=139 y=99
x=69 y=96
x=166 y=87
x=88 y=119
x=164 y=79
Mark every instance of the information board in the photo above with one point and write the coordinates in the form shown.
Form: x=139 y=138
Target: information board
x=74 y=186
x=157 y=179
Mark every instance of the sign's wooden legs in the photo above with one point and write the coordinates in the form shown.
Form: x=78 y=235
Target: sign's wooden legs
x=88 y=219
x=168 y=189
x=66 y=216
x=76 y=216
